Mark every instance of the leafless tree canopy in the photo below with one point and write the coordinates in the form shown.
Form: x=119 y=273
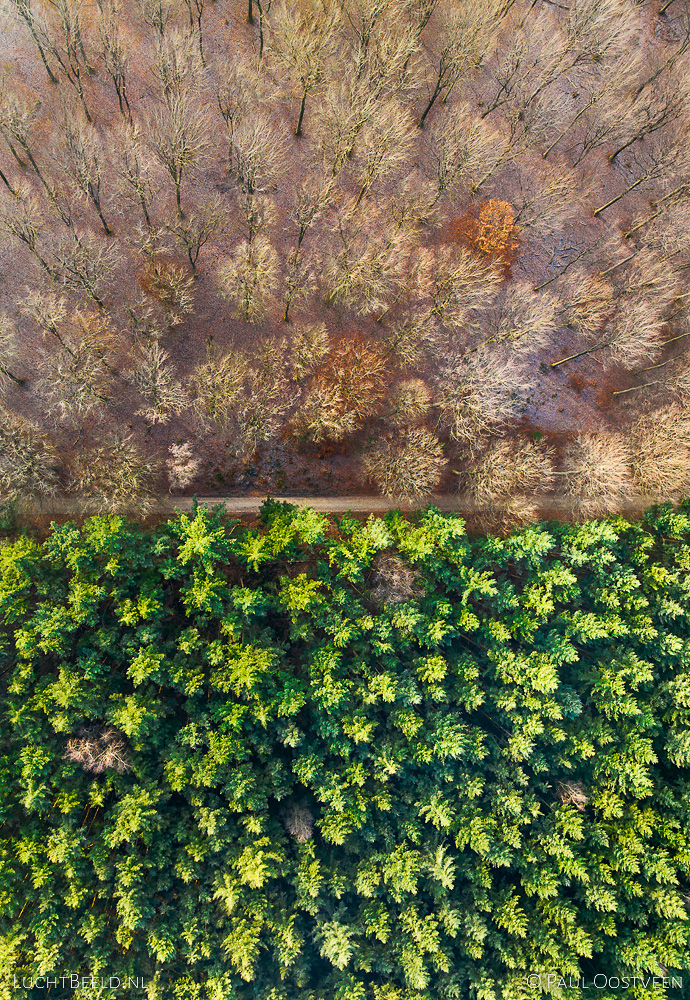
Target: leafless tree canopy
x=331 y=245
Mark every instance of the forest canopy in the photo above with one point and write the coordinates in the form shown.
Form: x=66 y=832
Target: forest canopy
x=333 y=759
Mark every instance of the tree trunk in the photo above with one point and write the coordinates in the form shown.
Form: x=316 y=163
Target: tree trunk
x=613 y=201
x=298 y=130
x=621 y=149
x=427 y=109
x=572 y=357
x=250 y=12
x=565 y=132
x=7 y=184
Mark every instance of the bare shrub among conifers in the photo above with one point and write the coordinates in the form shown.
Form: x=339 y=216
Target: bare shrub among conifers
x=299 y=823
x=408 y=467
x=597 y=470
x=394 y=580
x=99 y=748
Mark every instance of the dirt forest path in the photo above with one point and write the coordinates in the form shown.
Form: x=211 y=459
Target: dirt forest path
x=555 y=509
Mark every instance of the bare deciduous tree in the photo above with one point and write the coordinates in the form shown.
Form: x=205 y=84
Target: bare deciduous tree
x=520 y=318
x=114 y=53
x=408 y=403
x=597 y=473
x=178 y=67
x=508 y=479
x=73 y=383
x=408 y=467
x=256 y=151
x=67 y=46
x=249 y=279
x=243 y=400
x=659 y=444
x=82 y=159
x=28 y=461
x=309 y=345
x=171 y=287
x=633 y=335
x=368 y=260
x=114 y=477
x=478 y=392
x=178 y=133
x=304 y=38
x=182 y=465
x=9 y=352
x=154 y=379
x=158 y=13
x=22 y=10
x=195 y=231
x=468 y=35
x=384 y=145
x=83 y=263
x=344 y=391
x=133 y=168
